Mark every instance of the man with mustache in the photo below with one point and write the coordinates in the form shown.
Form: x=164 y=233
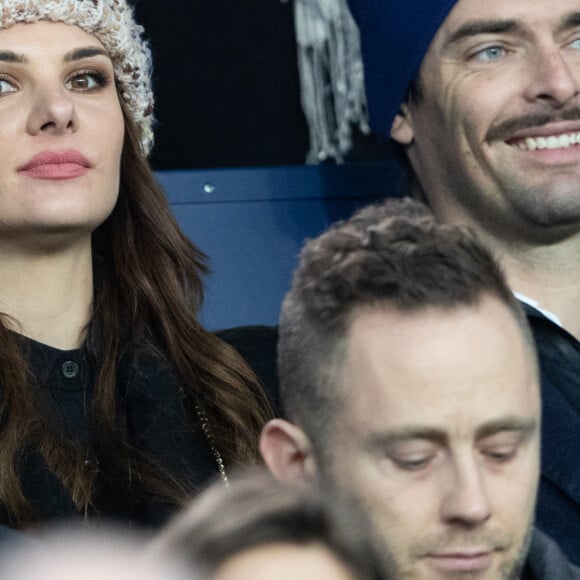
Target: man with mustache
x=481 y=99
x=410 y=380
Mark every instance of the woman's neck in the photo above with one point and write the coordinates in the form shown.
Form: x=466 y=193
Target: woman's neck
x=48 y=295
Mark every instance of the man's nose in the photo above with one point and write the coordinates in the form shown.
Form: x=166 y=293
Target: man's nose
x=553 y=79
x=466 y=499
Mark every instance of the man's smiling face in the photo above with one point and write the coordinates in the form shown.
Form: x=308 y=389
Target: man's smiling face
x=494 y=132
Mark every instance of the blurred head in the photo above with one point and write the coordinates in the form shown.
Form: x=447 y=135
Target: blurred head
x=80 y=554
x=409 y=376
x=285 y=562
x=262 y=528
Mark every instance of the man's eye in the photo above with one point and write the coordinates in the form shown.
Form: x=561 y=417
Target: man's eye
x=6 y=87
x=500 y=454
x=489 y=54
x=413 y=463
x=575 y=44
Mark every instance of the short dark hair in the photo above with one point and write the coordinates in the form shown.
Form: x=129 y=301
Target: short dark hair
x=392 y=254
x=258 y=510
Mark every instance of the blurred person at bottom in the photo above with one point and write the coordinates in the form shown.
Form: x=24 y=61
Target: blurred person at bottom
x=261 y=528
x=75 y=553
x=410 y=380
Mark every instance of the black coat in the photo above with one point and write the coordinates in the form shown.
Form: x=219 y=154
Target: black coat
x=558 y=510
x=547 y=562
x=152 y=409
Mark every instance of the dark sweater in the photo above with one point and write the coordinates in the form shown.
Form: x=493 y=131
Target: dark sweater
x=151 y=407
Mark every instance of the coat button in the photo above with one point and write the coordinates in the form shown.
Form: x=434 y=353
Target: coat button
x=70 y=369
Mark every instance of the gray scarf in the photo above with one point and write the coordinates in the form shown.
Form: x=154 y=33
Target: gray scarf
x=331 y=76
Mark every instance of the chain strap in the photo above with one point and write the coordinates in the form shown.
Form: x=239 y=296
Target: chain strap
x=205 y=427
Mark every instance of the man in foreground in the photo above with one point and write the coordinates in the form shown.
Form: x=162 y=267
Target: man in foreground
x=482 y=100
x=409 y=377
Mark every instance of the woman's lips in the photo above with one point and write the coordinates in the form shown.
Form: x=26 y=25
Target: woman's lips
x=56 y=165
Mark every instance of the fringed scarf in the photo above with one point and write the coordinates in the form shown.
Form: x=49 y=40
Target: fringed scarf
x=331 y=77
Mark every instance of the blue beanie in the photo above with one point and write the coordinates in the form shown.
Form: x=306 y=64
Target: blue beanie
x=395 y=35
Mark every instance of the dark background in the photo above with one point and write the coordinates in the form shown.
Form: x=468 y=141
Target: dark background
x=227 y=87
x=226 y=83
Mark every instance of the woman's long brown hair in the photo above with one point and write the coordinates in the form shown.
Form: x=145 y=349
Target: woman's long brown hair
x=147 y=293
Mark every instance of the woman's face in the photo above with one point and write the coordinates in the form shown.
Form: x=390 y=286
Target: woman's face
x=61 y=133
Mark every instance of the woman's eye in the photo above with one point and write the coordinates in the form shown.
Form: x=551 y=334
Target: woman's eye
x=86 y=81
x=6 y=87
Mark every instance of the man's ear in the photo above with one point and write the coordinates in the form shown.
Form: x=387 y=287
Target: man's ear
x=402 y=127
x=287 y=451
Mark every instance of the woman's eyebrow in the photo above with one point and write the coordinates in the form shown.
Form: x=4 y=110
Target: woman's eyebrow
x=10 y=56
x=73 y=55
x=85 y=52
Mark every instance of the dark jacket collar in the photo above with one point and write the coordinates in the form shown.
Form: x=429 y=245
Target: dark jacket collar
x=547 y=562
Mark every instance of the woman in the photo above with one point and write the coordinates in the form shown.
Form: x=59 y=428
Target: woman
x=114 y=401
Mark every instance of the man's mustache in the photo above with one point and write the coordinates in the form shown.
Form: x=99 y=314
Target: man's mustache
x=506 y=129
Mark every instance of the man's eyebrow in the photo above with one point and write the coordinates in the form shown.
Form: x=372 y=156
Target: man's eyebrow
x=380 y=440
x=86 y=52
x=10 y=56
x=525 y=426
x=570 y=20
x=477 y=27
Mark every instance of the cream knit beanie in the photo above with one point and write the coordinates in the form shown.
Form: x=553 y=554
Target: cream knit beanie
x=112 y=23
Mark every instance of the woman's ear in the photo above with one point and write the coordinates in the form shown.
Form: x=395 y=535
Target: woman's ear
x=402 y=127
x=287 y=452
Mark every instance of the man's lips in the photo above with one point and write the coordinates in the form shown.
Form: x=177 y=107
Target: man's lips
x=470 y=561
x=539 y=123
x=56 y=165
x=552 y=141
x=560 y=135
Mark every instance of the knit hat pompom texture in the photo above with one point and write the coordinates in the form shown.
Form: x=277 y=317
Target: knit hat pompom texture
x=395 y=36
x=112 y=23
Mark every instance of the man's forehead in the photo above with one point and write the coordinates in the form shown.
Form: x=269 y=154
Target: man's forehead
x=466 y=14
x=403 y=363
